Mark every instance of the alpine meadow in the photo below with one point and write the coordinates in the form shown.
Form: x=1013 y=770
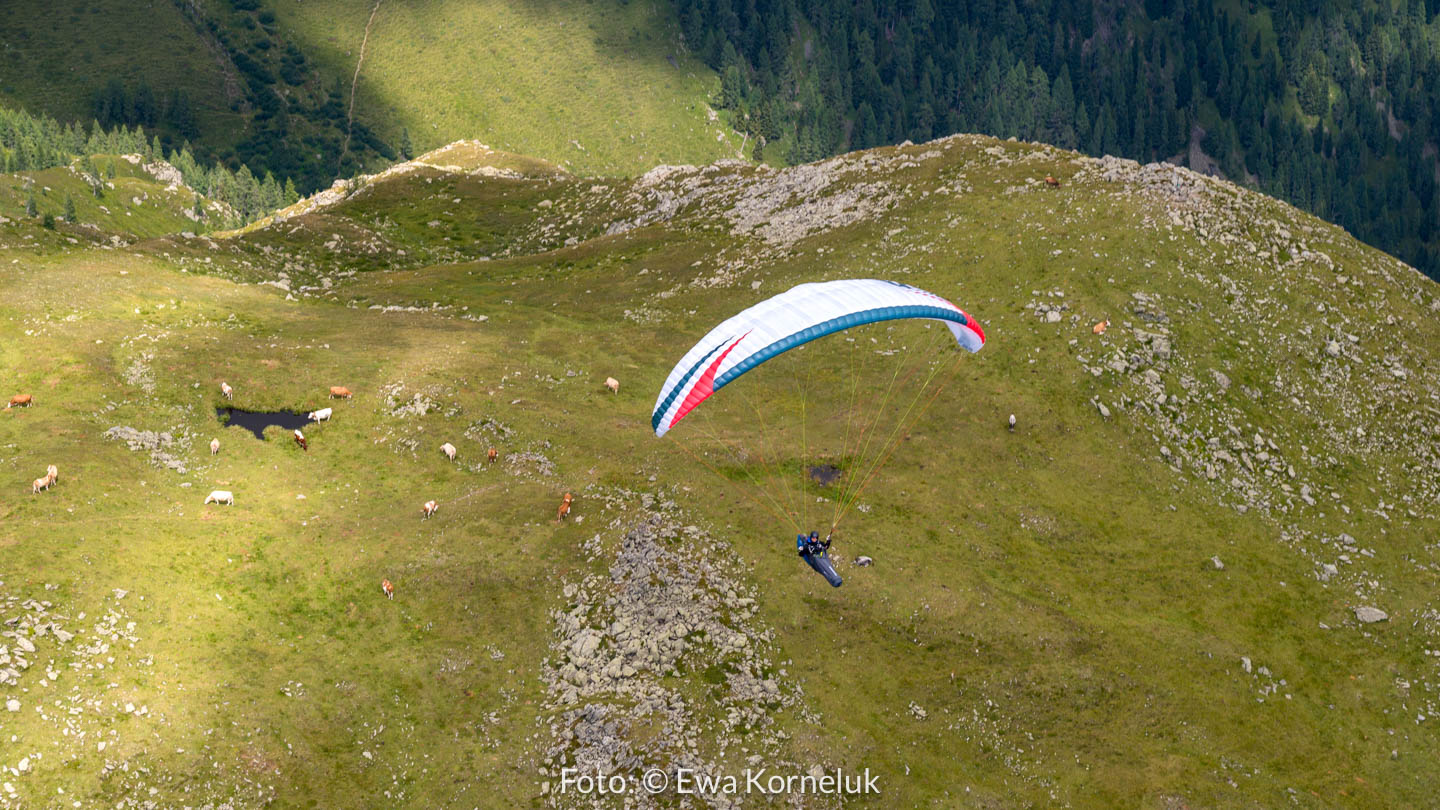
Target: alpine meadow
x=599 y=404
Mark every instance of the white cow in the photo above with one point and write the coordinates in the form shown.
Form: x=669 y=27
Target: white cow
x=429 y=508
x=53 y=473
x=449 y=450
x=321 y=415
x=214 y=446
x=221 y=496
x=613 y=384
x=227 y=390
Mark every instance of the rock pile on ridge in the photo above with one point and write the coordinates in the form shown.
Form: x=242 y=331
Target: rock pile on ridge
x=667 y=607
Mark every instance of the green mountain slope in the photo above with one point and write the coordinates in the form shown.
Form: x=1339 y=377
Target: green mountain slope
x=600 y=87
x=140 y=200
x=1147 y=594
x=57 y=55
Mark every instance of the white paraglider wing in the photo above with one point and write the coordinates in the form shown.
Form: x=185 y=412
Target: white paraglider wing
x=794 y=318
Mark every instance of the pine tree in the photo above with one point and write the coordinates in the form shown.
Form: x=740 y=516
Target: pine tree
x=69 y=208
x=110 y=169
x=407 y=152
x=31 y=208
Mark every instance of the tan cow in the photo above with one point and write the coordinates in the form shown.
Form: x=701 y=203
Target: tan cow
x=39 y=484
x=387 y=589
x=613 y=384
x=214 y=446
x=449 y=450
x=1100 y=327
x=1051 y=181
x=429 y=509
x=340 y=391
x=227 y=390
x=19 y=400
x=492 y=455
x=53 y=473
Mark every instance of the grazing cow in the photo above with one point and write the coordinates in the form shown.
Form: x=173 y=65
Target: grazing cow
x=321 y=415
x=492 y=455
x=1051 y=181
x=340 y=391
x=214 y=446
x=387 y=589
x=564 y=507
x=1012 y=423
x=1100 y=327
x=227 y=390
x=613 y=384
x=53 y=473
x=19 y=399
x=429 y=509
x=221 y=496
x=300 y=440
x=449 y=450
x=39 y=484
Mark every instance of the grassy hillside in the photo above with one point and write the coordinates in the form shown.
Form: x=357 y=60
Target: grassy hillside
x=133 y=203
x=57 y=54
x=597 y=86
x=1044 y=622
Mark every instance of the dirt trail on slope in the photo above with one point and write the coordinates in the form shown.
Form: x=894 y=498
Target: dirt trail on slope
x=355 y=81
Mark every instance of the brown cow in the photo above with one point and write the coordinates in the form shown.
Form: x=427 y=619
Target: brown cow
x=1100 y=327
x=19 y=399
x=340 y=391
x=300 y=440
x=39 y=484
x=387 y=588
x=492 y=455
x=564 y=508
x=1051 y=181
x=429 y=509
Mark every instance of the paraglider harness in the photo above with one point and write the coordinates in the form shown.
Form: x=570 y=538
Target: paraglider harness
x=815 y=551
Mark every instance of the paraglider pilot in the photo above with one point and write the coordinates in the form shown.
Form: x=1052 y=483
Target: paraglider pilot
x=811 y=545
x=813 y=551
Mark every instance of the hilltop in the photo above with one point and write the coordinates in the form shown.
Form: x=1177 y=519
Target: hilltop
x=1164 y=588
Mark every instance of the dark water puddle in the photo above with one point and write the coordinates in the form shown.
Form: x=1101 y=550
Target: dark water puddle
x=257 y=421
x=825 y=474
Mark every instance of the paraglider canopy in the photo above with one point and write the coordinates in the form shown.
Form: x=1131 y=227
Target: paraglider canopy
x=773 y=328
x=791 y=319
